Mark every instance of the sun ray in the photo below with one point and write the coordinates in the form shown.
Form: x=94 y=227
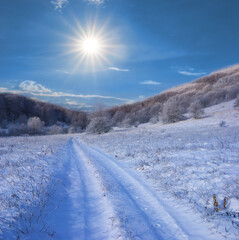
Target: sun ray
x=92 y=46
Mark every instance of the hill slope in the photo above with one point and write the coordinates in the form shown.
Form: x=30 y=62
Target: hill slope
x=220 y=86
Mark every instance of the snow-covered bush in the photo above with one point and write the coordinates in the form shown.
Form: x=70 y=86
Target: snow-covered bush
x=57 y=130
x=34 y=124
x=154 y=119
x=172 y=111
x=99 y=125
x=99 y=121
x=74 y=130
x=196 y=109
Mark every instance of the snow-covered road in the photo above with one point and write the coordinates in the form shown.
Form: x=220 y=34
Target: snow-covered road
x=103 y=199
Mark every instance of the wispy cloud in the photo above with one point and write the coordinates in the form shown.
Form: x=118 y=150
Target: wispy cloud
x=187 y=73
x=59 y=4
x=141 y=97
x=96 y=2
x=35 y=89
x=62 y=71
x=118 y=69
x=150 y=82
x=73 y=103
x=77 y=105
x=3 y=89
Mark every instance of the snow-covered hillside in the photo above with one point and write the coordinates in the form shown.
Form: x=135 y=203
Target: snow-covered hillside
x=157 y=181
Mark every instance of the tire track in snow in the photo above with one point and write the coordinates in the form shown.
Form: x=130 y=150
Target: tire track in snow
x=91 y=211
x=78 y=196
x=141 y=213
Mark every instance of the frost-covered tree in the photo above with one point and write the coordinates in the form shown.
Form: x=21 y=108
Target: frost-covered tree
x=142 y=115
x=172 y=111
x=99 y=125
x=196 y=109
x=118 y=118
x=55 y=129
x=154 y=119
x=154 y=110
x=236 y=103
x=99 y=121
x=34 y=124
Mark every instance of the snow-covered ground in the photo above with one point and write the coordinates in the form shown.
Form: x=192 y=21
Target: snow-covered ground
x=187 y=162
x=27 y=183
x=151 y=182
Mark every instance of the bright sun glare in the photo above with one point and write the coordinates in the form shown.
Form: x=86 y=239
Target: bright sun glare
x=91 y=46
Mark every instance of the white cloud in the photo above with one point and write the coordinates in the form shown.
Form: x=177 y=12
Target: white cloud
x=96 y=2
x=31 y=86
x=118 y=69
x=149 y=82
x=74 y=103
x=187 y=73
x=3 y=89
x=35 y=89
x=63 y=94
x=141 y=97
x=59 y=4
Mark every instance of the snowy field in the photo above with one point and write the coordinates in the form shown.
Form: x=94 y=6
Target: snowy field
x=27 y=183
x=188 y=162
x=161 y=181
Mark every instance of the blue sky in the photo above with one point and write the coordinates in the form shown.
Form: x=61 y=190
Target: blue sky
x=151 y=46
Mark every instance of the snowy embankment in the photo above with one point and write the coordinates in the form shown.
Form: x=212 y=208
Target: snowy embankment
x=189 y=162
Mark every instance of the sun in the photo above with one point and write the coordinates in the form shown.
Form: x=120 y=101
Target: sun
x=91 y=48
x=91 y=45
